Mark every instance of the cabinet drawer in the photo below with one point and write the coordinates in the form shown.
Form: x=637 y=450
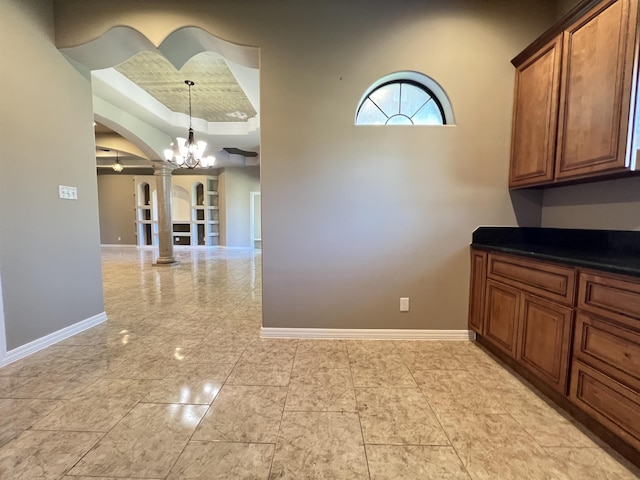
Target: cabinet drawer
x=610 y=296
x=613 y=404
x=542 y=279
x=609 y=347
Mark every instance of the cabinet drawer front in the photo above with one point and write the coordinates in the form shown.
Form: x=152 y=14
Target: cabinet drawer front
x=609 y=347
x=610 y=297
x=613 y=404
x=542 y=279
x=544 y=338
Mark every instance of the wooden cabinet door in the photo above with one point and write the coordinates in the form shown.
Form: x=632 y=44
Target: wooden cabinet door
x=544 y=339
x=598 y=59
x=476 y=290
x=502 y=307
x=535 y=117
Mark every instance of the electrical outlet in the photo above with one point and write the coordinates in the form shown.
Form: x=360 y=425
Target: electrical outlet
x=119 y=238
x=404 y=304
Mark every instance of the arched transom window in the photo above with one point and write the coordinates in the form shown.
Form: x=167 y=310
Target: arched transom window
x=404 y=98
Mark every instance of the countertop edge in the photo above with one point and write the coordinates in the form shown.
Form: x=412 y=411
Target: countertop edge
x=568 y=259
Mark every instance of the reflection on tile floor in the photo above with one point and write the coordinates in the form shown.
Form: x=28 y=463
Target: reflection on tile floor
x=178 y=384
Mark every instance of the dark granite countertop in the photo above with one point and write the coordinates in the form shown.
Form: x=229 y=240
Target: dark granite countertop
x=613 y=251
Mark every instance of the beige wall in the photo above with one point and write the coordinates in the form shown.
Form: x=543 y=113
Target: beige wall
x=116 y=203
x=609 y=205
x=564 y=6
x=49 y=248
x=356 y=217
x=238 y=184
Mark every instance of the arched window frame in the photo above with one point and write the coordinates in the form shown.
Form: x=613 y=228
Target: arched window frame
x=426 y=83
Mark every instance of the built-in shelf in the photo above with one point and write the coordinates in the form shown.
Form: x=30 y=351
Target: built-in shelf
x=203 y=226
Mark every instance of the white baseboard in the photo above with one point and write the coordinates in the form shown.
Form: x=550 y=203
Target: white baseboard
x=55 y=337
x=366 y=334
x=118 y=245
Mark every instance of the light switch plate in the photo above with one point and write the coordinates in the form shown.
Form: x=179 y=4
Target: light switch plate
x=68 y=193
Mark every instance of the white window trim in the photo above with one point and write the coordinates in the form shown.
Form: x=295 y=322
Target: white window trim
x=419 y=78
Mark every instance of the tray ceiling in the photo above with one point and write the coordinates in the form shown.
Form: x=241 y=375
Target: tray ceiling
x=216 y=96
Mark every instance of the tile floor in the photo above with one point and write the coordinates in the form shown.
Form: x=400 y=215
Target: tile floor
x=177 y=384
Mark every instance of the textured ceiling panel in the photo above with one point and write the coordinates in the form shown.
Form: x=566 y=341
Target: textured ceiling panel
x=216 y=96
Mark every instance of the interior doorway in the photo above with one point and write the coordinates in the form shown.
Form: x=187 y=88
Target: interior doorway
x=255 y=217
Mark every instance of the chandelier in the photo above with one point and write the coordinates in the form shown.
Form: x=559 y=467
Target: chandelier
x=117 y=166
x=190 y=153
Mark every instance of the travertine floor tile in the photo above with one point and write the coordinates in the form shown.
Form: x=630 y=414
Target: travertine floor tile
x=184 y=335
x=265 y=362
x=146 y=443
x=244 y=414
x=321 y=354
x=20 y=414
x=98 y=408
x=427 y=356
x=592 y=464
x=363 y=350
x=457 y=391
x=494 y=377
x=223 y=461
x=398 y=416
x=396 y=462
x=9 y=384
x=53 y=386
x=321 y=390
x=44 y=455
x=550 y=429
x=194 y=383
x=220 y=347
x=152 y=368
x=319 y=445
x=511 y=462
x=378 y=364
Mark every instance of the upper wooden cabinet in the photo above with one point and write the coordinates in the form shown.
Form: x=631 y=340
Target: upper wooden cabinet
x=597 y=71
x=535 y=114
x=575 y=98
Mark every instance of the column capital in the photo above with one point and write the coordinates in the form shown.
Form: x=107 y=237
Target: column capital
x=161 y=167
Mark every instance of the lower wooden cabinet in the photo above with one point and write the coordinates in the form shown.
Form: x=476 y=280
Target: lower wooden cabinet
x=476 y=290
x=544 y=340
x=573 y=333
x=611 y=347
x=612 y=403
x=502 y=308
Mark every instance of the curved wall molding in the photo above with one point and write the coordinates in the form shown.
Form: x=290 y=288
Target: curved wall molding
x=132 y=112
x=121 y=43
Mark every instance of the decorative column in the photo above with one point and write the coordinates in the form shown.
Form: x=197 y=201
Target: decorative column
x=162 y=171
